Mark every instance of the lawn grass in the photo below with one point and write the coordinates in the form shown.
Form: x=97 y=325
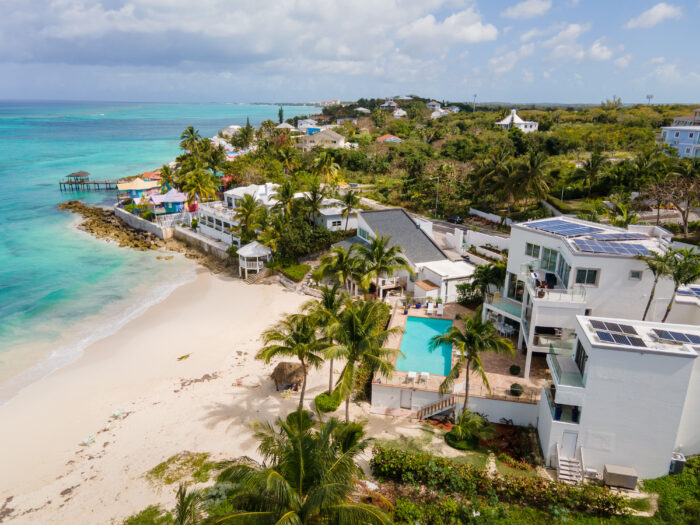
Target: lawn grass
x=296 y=272
x=185 y=466
x=640 y=504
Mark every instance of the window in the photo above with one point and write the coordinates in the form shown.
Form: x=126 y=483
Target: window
x=363 y=233
x=581 y=358
x=691 y=135
x=636 y=275
x=515 y=287
x=532 y=250
x=687 y=150
x=586 y=276
x=549 y=259
x=563 y=269
x=677 y=134
x=336 y=223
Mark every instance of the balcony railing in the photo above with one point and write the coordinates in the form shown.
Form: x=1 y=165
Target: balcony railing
x=575 y=294
x=564 y=370
x=218 y=209
x=563 y=413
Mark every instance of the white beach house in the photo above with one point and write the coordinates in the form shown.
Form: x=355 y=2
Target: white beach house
x=562 y=267
x=326 y=138
x=433 y=105
x=626 y=399
x=514 y=121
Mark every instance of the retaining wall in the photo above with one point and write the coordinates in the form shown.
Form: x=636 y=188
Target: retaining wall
x=201 y=242
x=142 y=224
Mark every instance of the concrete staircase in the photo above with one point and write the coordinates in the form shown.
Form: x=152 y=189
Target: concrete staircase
x=443 y=405
x=568 y=469
x=256 y=277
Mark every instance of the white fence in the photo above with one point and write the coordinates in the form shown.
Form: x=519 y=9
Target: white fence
x=142 y=224
x=489 y=216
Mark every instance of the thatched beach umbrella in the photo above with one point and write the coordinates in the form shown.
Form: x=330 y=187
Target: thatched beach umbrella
x=79 y=174
x=288 y=374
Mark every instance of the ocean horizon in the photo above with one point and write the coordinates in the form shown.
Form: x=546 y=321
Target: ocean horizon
x=60 y=289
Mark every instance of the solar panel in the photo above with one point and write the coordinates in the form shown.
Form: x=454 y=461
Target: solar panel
x=615 y=248
x=636 y=341
x=598 y=324
x=565 y=228
x=618 y=236
x=628 y=329
x=620 y=339
x=676 y=337
x=613 y=327
x=605 y=336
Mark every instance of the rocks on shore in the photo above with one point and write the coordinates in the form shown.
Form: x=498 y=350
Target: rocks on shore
x=104 y=224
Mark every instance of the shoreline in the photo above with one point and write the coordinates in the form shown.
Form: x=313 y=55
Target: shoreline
x=217 y=321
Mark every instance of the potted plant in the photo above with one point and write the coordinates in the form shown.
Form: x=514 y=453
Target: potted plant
x=514 y=370
x=438 y=300
x=516 y=390
x=407 y=305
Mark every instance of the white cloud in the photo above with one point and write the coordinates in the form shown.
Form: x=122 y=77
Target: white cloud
x=623 y=61
x=532 y=33
x=504 y=62
x=528 y=76
x=654 y=16
x=528 y=9
x=565 y=45
x=600 y=51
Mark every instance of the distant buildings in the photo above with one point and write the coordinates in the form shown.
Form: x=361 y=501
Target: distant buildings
x=389 y=138
x=326 y=138
x=399 y=113
x=686 y=139
x=389 y=105
x=362 y=110
x=688 y=120
x=439 y=113
x=454 y=109
x=433 y=105
x=514 y=121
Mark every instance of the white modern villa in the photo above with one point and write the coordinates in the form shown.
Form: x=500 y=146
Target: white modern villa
x=626 y=400
x=562 y=267
x=514 y=121
x=217 y=219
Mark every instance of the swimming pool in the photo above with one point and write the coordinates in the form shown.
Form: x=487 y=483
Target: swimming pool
x=415 y=346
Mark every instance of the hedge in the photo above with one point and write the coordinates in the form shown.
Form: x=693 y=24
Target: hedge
x=561 y=205
x=326 y=403
x=442 y=474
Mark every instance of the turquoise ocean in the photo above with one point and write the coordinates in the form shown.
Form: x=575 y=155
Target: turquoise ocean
x=61 y=289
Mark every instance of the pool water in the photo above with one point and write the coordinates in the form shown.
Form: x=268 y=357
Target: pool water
x=415 y=346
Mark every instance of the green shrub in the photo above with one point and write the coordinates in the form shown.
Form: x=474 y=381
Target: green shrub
x=516 y=390
x=327 y=403
x=406 y=511
x=514 y=370
x=469 y=443
x=151 y=515
x=194 y=224
x=148 y=215
x=561 y=205
x=512 y=463
x=443 y=474
x=295 y=272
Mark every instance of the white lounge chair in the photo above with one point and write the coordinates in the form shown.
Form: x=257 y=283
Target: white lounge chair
x=411 y=377
x=424 y=376
x=431 y=308
x=441 y=309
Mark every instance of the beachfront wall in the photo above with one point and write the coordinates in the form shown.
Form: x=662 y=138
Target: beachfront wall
x=388 y=398
x=142 y=224
x=201 y=242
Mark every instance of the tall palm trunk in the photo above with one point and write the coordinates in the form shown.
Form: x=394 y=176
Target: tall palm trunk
x=466 y=389
x=330 y=380
x=670 y=303
x=303 y=387
x=347 y=409
x=651 y=297
x=347 y=221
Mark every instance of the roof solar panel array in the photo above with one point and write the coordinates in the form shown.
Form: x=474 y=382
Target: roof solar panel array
x=615 y=248
x=565 y=228
x=620 y=339
x=676 y=337
x=618 y=236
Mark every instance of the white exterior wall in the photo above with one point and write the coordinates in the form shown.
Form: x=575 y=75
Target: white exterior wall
x=327 y=222
x=550 y=431
x=472 y=238
x=686 y=141
x=688 y=439
x=217 y=234
x=522 y=414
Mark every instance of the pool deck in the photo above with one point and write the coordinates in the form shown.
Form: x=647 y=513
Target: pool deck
x=496 y=365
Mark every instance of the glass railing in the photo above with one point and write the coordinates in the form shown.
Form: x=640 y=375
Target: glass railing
x=564 y=370
x=563 y=413
x=575 y=294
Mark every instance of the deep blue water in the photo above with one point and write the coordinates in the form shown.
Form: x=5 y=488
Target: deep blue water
x=52 y=278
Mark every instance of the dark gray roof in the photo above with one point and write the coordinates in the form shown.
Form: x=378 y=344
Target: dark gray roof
x=416 y=245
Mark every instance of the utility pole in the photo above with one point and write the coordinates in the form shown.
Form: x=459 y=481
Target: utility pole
x=649 y=97
x=474 y=104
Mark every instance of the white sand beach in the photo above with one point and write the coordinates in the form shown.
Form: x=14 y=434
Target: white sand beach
x=204 y=403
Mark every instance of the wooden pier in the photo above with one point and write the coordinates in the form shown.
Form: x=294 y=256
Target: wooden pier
x=80 y=181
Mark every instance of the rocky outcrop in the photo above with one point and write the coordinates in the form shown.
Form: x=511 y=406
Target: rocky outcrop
x=103 y=224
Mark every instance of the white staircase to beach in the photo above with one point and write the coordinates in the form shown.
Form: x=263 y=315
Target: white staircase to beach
x=568 y=469
x=256 y=277
x=443 y=405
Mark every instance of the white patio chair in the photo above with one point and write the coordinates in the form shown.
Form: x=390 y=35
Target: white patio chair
x=431 y=308
x=411 y=376
x=424 y=376
x=441 y=309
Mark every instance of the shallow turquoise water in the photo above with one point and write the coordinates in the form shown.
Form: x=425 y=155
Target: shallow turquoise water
x=53 y=278
x=415 y=346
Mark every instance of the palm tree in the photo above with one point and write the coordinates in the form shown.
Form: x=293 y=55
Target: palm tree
x=288 y=159
x=472 y=426
x=325 y=312
x=325 y=167
x=338 y=264
x=285 y=197
x=308 y=476
x=294 y=336
x=167 y=178
x=189 y=140
x=382 y=260
x=246 y=216
x=622 y=217
x=199 y=184
x=592 y=168
x=478 y=336
x=359 y=337
x=188 y=506
x=486 y=275
x=532 y=175
x=313 y=199
x=350 y=201
x=684 y=268
x=659 y=266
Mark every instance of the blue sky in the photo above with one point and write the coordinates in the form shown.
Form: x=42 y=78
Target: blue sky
x=311 y=50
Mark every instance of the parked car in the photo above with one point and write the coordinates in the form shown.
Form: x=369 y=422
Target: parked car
x=455 y=219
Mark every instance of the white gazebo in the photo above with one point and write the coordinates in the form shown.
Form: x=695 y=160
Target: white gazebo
x=286 y=126
x=252 y=257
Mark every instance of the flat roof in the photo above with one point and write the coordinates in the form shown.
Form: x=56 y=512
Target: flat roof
x=683 y=128
x=592 y=238
x=450 y=269
x=641 y=336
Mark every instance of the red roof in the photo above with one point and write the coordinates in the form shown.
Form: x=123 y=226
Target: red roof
x=320 y=117
x=387 y=137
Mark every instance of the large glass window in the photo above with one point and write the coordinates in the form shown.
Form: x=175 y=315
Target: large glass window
x=563 y=269
x=586 y=276
x=581 y=358
x=549 y=259
x=363 y=233
x=532 y=250
x=515 y=287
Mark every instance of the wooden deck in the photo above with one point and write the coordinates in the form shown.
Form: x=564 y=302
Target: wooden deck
x=87 y=185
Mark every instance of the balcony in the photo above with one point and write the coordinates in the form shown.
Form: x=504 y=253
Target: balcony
x=564 y=371
x=505 y=305
x=564 y=413
x=219 y=210
x=560 y=343
x=575 y=294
